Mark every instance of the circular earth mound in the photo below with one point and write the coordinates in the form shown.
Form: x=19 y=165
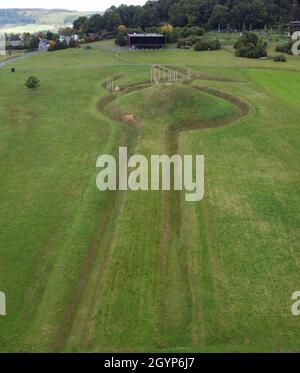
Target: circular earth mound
x=176 y=105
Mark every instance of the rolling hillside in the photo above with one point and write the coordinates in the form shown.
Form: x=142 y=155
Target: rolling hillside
x=53 y=17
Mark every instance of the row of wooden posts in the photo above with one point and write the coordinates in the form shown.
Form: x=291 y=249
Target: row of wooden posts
x=159 y=74
x=163 y=74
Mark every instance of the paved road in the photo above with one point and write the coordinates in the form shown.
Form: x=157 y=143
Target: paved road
x=3 y=63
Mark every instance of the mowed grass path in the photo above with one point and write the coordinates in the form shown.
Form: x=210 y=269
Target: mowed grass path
x=91 y=271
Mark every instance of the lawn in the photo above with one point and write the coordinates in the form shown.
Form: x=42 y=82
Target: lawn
x=11 y=54
x=27 y=28
x=91 y=271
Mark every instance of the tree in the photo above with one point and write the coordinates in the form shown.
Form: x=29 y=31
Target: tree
x=31 y=42
x=295 y=10
x=188 y=13
x=32 y=83
x=240 y=14
x=122 y=29
x=121 y=39
x=79 y=24
x=259 y=13
x=250 y=46
x=95 y=24
x=177 y=15
x=220 y=16
x=65 y=31
x=49 y=35
x=112 y=19
x=137 y=17
x=166 y=29
x=191 y=20
x=53 y=44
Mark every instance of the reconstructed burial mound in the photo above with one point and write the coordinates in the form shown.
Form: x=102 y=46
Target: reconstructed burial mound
x=179 y=107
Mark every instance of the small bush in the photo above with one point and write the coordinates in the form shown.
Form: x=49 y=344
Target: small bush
x=279 y=58
x=32 y=83
x=73 y=43
x=205 y=44
x=184 y=43
x=195 y=30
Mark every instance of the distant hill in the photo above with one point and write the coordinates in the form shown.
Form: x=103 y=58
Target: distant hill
x=53 y=17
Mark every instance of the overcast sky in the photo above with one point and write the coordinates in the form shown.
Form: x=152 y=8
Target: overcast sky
x=67 y=4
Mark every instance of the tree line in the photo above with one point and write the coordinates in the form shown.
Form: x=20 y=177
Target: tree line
x=210 y=14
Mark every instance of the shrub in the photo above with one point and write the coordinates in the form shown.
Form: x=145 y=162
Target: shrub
x=32 y=83
x=172 y=37
x=195 y=30
x=205 y=44
x=56 y=45
x=192 y=39
x=280 y=58
x=182 y=43
x=121 y=39
x=250 y=46
x=61 y=45
x=73 y=43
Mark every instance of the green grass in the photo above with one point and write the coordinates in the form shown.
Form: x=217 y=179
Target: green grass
x=28 y=28
x=11 y=54
x=223 y=58
x=230 y=38
x=44 y=19
x=146 y=271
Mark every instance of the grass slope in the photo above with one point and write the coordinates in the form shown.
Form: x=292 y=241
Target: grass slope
x=27 y=28
x=31 y=20
x=140 y=271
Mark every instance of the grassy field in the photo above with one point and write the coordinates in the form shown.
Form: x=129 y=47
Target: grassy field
x=229 y=38
x=85 y=270
x=11 y=54
x=28 y=28
x=43 y=19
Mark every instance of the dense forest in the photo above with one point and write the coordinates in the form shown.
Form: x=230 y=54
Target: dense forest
x=203 y=13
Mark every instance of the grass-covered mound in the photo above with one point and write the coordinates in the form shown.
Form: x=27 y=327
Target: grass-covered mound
x=176 y=105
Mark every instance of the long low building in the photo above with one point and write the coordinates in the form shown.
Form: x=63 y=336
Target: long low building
x=146 y=41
